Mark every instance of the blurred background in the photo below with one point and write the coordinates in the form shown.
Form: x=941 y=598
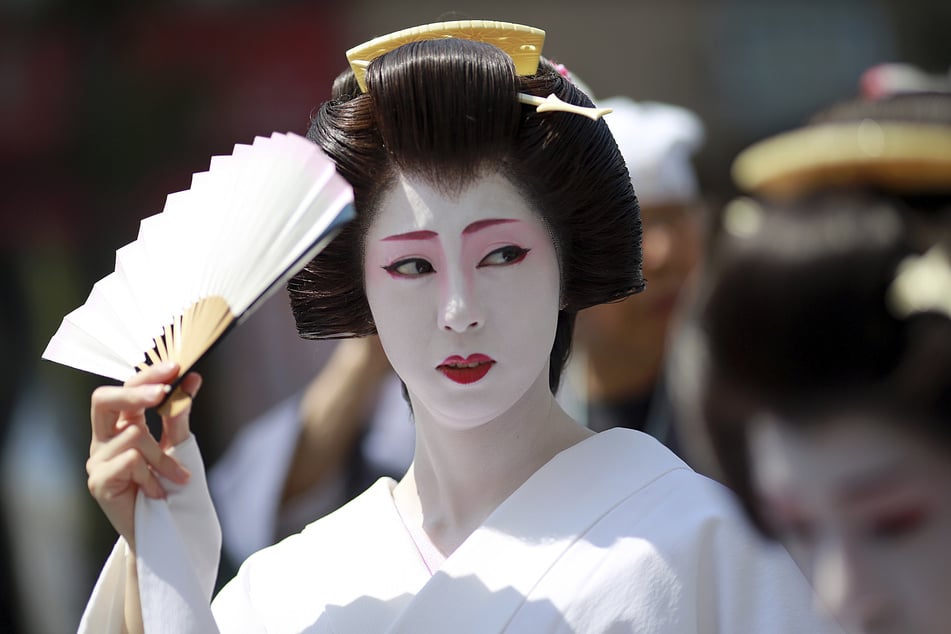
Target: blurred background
x=106 y=107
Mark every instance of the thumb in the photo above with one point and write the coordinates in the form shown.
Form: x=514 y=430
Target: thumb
x=176 y=428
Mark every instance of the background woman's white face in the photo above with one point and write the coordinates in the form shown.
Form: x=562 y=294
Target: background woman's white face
x=865 y=509
x=465 y=293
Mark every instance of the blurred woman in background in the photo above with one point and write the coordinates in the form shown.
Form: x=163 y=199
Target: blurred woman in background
x=823 y=327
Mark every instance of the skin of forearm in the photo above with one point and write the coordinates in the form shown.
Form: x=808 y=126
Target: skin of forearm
x=333 y=412
x=133 y=607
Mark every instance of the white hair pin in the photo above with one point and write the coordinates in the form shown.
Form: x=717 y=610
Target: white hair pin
x=922 y=284
x=552 y=103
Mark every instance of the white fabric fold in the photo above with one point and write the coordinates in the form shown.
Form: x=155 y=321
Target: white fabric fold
x=179 y=545
x=104 y=611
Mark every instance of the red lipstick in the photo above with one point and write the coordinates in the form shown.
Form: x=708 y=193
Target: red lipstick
x=468 y=370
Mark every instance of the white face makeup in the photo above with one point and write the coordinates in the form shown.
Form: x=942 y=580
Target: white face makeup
x=866 y=511
x=465 y=294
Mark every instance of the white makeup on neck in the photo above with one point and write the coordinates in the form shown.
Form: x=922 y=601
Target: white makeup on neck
x=465 y=293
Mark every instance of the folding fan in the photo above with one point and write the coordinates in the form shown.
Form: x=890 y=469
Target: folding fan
x=202 y=265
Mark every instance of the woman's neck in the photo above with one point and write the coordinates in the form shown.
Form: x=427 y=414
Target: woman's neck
x=459 y=477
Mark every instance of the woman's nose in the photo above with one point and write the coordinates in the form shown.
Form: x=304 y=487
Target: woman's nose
x=460 y=309
x=849 y=587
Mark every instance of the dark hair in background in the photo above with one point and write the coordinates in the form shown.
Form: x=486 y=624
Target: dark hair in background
x=447 y=112
x=796 y=323
x=792 y=317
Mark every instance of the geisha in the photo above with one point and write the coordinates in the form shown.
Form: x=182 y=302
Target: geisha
x=485 y=222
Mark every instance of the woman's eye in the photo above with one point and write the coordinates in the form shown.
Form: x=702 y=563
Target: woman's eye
x=410 y=267
x=898 y=524
x=504 y=255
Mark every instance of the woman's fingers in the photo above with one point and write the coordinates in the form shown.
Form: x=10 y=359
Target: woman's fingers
x=159 y=373
x=138 y=438
x=175 y=429
x=124 y=457
x=109 y=403
x=192 y=383
x=112 y=478
x=146 y=389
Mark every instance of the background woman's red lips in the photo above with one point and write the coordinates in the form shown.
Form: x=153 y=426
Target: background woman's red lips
x=466 y=370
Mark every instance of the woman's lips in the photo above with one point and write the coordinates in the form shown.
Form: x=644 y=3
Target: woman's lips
x=467 y=370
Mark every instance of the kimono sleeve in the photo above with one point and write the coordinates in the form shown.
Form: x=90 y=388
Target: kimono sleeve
x=747 y=584
x=179 y=544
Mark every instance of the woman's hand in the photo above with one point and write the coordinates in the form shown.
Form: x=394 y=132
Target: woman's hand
x=123 y=455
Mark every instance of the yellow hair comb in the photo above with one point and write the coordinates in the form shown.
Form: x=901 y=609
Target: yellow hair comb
x=521 y=43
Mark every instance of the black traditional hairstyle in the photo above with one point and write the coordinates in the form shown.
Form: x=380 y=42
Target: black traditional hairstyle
x=446 y=111
x=795 y=317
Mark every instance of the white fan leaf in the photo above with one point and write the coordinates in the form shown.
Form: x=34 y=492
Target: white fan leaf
x=74 y=347
x=216 y=250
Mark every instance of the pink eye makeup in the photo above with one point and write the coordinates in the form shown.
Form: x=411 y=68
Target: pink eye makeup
x=484 y=244
x=888 y=506
x=898 y=523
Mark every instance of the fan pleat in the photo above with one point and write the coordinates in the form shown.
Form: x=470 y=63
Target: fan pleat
x=216 y=250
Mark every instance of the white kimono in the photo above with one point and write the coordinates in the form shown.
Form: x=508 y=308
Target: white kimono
x=615 y=534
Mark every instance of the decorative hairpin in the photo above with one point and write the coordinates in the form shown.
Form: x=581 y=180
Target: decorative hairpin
x=552 y=103
x=521 y=43
x=922 y=284
x=742 y=217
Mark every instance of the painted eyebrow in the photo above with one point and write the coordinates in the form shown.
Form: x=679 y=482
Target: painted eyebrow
x=429 y=235
x=412 y=235
x=478 y=225
x=885 y=481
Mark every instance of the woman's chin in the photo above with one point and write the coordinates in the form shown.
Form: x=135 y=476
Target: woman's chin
x=496 y=396
x=464 y=412
x=461 y=417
